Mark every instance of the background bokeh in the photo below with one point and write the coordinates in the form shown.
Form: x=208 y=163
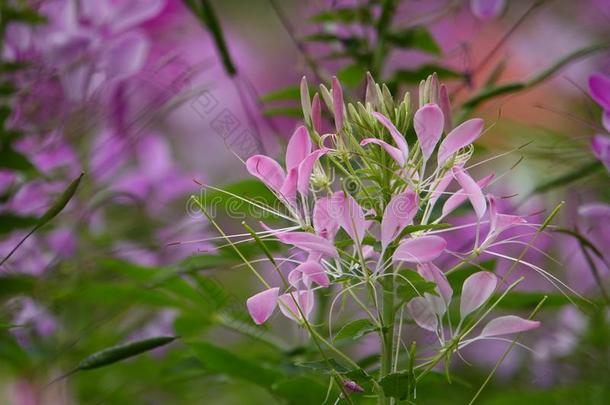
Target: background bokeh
x=139 y=96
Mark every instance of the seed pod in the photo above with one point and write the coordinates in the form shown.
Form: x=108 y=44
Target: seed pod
x=305 y=102
x=117 y=353
x=61 y=202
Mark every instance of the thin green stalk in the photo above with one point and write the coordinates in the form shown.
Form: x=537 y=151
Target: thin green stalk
x=506 y=352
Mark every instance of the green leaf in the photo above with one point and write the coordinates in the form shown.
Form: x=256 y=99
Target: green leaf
x=16 y=284
x=415 y=38
x=457 y=278
x=416 y=228
x=352 y=75
x=325 y=366
x=396 y=385
x=522 y=300
x=344 y=15
x=221 y=361
x=10 y=222
x=285 y=93
x=11 y=159
x=415 y=75
x=250 y=189
x=7 y=89
x=117 y=353
x=355 y=329
x=26 y=15
x=414 y=285
x=301 y=390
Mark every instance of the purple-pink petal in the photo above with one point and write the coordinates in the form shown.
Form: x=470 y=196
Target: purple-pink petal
x=508 y=324
x=289 y=188
x=422 y=313
x=309 y=242
x=420 y=250
x=456 y=199
x=463 y=135
x=399 y=213
x=430 y=272
x=125 y=55
x=306 y=168
x=445 y=105
x=349 y=214
x=299 y=147
x=487 y=9
x=476 y=291
x=267 y=170
x=315 y=272
x=396 y=135
x=394 y=152
x=262 y=305
x=606 y=120
x=599 y=88
x=471 y=190
x=305 y=300
x=600 y=145
x=324 y=223
x=428 y=123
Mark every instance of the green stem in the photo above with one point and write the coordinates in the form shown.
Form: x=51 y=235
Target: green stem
x=387 y=334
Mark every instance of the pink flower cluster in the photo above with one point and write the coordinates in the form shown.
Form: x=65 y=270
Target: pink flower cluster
x=377 y=242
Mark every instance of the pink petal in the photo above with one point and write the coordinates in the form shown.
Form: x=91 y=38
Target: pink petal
x=294 y=277
x=476 y=291
x=420 y=250
x=306 y=168
x=432 y=273
x=422 y=313
x=441 y=187
x=606 y=120
x=262 y=305
x=316 y=114
x=599 y=88
x=125 y=55
x=394 y=152
x=399 y=213
x=134 y=12
x=349 y=215
x=472 y=190
x=396 y=135
x=304 y=298
x=267 y=170
x=289 y=188
x=600 y=145
x=309 y=242
x=595 y=211
x=463 y=135
x=460 y=196
x=428 y=124
x=315 y=272
x=324 y=223
x=487 y=9
x=298 y=148
x=505 y=325
x=498 y=223
x=445 y=105
x=338 y=104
